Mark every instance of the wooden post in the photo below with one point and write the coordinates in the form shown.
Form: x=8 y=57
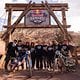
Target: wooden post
x=9 y=25
x=9 y=17
x=64 y=21
x=9 y=22
x=64 y=17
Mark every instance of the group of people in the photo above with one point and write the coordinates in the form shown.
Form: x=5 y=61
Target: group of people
x=42 y=54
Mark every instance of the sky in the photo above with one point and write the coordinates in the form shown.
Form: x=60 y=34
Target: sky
x=73 y=14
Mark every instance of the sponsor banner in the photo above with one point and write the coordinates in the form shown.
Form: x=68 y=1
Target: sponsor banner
x=37 y=17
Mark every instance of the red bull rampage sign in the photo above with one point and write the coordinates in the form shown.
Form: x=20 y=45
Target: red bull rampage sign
x=37 y=17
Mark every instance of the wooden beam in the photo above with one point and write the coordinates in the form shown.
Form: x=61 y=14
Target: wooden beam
x=56 y=19
x=21 y=6
x=64 y=17
x=65 y=23
x=9 y=17
x=31 y=26
x=10 y=30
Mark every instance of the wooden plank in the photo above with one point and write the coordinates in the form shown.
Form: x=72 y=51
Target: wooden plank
x=31 y=26
x=9 y=24
x=21 y=6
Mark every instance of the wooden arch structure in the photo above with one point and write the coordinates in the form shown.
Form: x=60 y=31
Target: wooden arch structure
x=25 y=8
x=32 y=6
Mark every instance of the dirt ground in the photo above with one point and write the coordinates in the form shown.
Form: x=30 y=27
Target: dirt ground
x=41 y=75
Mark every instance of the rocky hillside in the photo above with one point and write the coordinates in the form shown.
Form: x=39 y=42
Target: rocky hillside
x=34 y=34
x=40 y=34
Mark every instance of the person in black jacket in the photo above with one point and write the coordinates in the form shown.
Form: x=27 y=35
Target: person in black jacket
x=10 y=54
x=20 y=51
x=50 y=55
x=45 y=55
x=33 y=56
x=39 y=54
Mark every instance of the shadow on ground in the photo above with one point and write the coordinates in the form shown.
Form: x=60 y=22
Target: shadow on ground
x=40 y=75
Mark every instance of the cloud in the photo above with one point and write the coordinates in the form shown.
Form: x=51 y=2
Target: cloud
x=74 y=22
x=74 y=7
x=74 y=14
